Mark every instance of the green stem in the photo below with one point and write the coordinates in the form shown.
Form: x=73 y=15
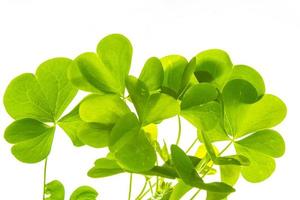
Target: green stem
x=192 y=145
x=142 y=191
x=141 y=197
x=179 y=130
x=151 y=187
x=130 y=186
x=45 y=179
x=196 y=193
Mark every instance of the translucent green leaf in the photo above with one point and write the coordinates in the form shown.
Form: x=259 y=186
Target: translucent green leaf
x=266 y=141
x=139 y=94
x=55 y=190
x=199 y=108
x=261 y=165
x=43 y=96
x=70 y=123
x=213 y=66
x=105 y=71
x=84 y=193
x=130 y=145
x=94 y=134
x=115 y=51
x=104 y=109
x=203 y=116
x=266 y=113
x=104 y=167
x=152 y=74
x=260 y=147
x=177 y=74
x=199 y=94
x=150 y=108
x=32 y=140
x=160 y=107
x=247 y=109
x=78 y=80
x=230 y=173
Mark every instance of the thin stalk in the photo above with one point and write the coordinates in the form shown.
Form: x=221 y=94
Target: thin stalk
x=179 y=130
x=151 y=185
x=130 y=186
x=142 y=191
x=192 y=145
x=45 y=179
x=196 y=193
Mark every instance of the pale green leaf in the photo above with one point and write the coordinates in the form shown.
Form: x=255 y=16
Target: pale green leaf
x=104 y=167
x=266 y=141
x=43 y=96
x=94 y=134
x=104 y=109
x=55 y=190
x=152 y=74
x=213 y=66
x=32 y=140
x=70 y=123
x=84 y=193
x=177 y=73
x=230 y=173
x=130 y=145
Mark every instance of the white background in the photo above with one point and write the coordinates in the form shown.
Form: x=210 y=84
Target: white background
x=261 y=33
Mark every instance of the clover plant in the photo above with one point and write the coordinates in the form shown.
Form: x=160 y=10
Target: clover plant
x=224 y=102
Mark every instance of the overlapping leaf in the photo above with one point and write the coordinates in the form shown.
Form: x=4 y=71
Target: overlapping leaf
x=151 y=108
x=177 y=74
x=106 y=70
x=130 y=146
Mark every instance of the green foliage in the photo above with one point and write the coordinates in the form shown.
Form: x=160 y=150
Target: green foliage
x=223 y=101
x=55 y=191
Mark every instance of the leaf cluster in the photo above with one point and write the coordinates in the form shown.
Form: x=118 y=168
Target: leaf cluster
x=223 y=101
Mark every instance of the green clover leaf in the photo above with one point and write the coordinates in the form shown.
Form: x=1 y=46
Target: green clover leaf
x=152 y=66
x=84 y=193
x=249 y=110
x=177 y=74
x=43 y=96
x=55 y=190
x=32 y=140
x=105 y=71
x=213 y=66
x=151 y=108
x=34 y=99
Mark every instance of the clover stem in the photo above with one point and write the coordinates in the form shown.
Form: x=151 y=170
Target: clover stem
x=196 y=193
x=179 y=130
x=45 y=178
x=143 y=189
x=192 y=145
x=151 y=185
x=130 y=187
